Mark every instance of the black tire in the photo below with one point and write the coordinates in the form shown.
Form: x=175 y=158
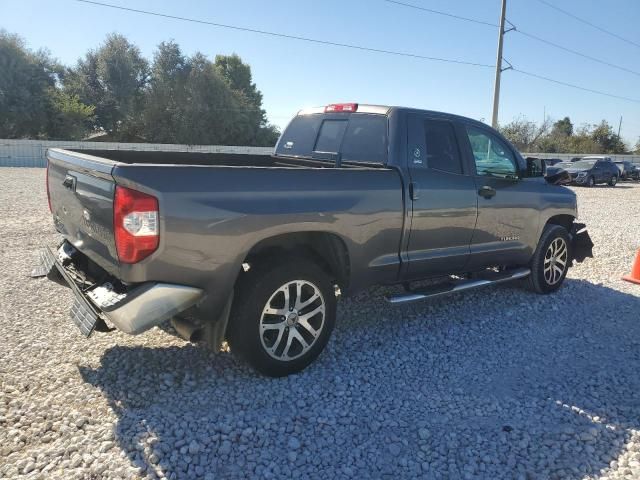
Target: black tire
x=591 y=182
x=613 y=181
x=256 y=291
x=540 y=281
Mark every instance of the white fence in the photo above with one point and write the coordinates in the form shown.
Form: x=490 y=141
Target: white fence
x=31 y=153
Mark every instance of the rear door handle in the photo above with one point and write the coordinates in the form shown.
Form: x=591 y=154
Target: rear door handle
x=487 y=192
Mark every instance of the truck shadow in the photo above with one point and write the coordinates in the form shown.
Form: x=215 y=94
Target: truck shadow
x=534 y=394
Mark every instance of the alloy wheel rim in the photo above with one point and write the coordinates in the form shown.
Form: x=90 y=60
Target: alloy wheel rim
x=555 y=261
x=292 y=320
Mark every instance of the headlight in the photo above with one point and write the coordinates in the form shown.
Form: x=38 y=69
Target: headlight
x=582 y=174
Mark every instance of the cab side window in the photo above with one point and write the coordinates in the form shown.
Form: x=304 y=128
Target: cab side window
x=492 y=156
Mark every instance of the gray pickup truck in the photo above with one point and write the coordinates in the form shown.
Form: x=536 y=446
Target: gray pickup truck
x=255 y=249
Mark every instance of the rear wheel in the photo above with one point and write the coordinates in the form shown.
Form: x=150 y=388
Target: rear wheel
x=613 y=181
x=283 y=316
x=551 y=260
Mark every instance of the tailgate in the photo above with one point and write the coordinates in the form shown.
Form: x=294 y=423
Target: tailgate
x=81 y=191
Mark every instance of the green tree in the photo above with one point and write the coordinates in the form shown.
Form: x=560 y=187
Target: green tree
x=113 y=79
x=582 y=142
x=525 y=134
x=256 y=129
x=610 y=142
x=68 y=118
x=31 y=104
x=212 y=113
x=165 y=98
x=562 y=137
x=196 y=101
x=24 y=80
x=562 y=128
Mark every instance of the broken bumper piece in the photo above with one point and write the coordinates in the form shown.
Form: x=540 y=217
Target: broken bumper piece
x=582 y=246
x=133 y=311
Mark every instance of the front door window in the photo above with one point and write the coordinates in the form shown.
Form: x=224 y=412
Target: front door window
x=492 y=157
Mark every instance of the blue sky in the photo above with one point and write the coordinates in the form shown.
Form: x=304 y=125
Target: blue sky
x=293 y=74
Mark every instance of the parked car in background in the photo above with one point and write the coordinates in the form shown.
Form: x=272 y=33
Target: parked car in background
x=575 y=159
x=628 y=171
x=592 y=170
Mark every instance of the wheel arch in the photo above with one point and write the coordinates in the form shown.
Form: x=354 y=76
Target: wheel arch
x=326 y=249
x=564 y=220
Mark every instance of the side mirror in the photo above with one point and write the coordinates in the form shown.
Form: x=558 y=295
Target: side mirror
x=535 y=167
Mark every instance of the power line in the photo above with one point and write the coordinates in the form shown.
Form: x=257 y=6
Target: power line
x=517 y=30
x=357 y=47
x=571 y=85
x=439 y=12
x=593 y=25
x=290 y=37
x=575 y=52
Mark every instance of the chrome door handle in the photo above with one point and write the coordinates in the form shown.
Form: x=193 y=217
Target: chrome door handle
x=487 y=192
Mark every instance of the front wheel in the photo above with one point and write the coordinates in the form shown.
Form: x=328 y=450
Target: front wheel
x=283 y=316
x=591 y=182
x=551 y=260
x=613 y=181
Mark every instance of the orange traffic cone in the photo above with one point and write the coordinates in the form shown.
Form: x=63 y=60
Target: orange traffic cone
x=634 y=276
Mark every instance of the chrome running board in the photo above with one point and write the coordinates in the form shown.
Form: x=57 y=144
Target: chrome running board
x=486 y=279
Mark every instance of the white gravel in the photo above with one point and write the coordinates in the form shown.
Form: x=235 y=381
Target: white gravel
x=499 y=383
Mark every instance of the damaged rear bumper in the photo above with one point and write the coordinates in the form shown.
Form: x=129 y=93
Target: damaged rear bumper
x=582 y=246
x=132 y=310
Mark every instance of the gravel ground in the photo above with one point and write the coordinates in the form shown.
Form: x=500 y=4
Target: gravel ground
x=499 y=383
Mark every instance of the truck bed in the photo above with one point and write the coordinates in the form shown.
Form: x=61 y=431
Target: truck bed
x=212 y=215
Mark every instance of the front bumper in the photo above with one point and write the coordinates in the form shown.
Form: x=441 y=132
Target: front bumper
x=132 y=310
x=579 y=180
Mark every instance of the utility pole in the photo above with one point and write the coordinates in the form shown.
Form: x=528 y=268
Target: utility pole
x=620 y=125
x=496 y=87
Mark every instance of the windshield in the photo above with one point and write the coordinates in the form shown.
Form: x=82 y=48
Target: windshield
x=586 y=164
x=565 y=164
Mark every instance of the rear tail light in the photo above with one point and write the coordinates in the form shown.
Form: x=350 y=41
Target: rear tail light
x=341 y=107
x=46 y=180
x=135 y=221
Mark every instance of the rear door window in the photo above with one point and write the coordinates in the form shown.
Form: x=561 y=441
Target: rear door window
x=442 y=152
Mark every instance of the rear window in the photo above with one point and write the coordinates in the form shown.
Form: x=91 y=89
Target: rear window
x=300 y=136
x=330 y=136
x=358 y=138
x=366 y=139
